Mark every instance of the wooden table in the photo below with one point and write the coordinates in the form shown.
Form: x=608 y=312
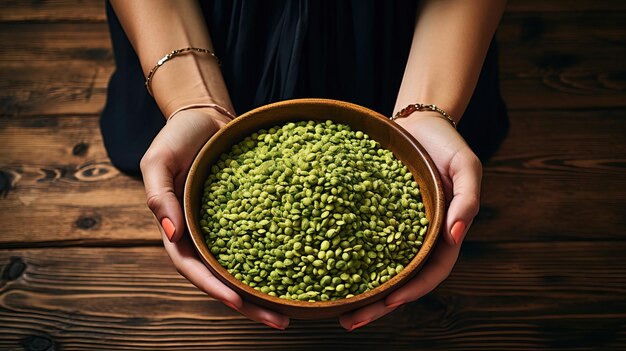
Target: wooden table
x=544 y=266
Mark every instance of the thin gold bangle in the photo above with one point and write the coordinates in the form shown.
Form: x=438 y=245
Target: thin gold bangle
x=171 y=55
x=216 y=107
x=405 y=112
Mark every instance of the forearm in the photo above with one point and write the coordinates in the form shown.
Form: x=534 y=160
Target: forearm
x=449 y=46
x=155 y=28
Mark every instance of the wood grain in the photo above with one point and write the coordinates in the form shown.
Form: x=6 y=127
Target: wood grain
x=65 y=69
x=555 y=178
x=553 y=164
x=41 y=43
x=52 y=11
x=61 y=178
x=93 y=10
x=543 y=54
x=55 y=88
x=534 y=298
x=543 y=267
x=564 y=6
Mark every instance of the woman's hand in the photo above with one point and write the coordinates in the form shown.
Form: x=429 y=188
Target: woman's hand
x=164 y=168
x=461 y=174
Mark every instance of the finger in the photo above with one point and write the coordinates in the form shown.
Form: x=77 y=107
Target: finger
x=189 y=266
x=161 y=197
x=364 y=315
x=435 y=271
x=466 y=174
x=264 y=315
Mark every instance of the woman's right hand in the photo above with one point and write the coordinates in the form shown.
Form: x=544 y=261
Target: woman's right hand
x=164 y=167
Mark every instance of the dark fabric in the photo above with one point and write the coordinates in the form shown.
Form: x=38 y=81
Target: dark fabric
x=276 y=50
x=131 y=118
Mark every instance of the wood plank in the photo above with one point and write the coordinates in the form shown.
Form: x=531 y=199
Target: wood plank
x=51 y=140
x=65 y=68
x=60 y=141
x=552 y=177
x=533 y=296
x=544 y=62
x=564 y=5
x=68 y=88
x=53 y=10
x=543 y=267
x=532 y=29
x=54 y=68
x=93 y=10
x=80 y=88
x=90 y=41
x=63 y=179
x=553 y=164
x=55 y=42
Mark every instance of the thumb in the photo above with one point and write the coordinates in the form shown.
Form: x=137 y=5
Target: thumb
x=466 y=174
x=158 y=180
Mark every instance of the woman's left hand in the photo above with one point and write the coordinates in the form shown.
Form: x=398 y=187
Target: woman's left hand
x=164 y=168
x=461 y=174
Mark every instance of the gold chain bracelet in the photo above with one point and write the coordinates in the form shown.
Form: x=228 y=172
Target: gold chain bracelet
x=405 y=112
x=171 y=55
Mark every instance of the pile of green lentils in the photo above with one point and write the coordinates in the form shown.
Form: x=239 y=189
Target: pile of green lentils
x=312 y=211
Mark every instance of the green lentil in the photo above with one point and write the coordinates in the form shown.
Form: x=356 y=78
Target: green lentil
x=312 y=211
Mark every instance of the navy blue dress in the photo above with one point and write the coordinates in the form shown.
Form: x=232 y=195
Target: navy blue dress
x=276 y=50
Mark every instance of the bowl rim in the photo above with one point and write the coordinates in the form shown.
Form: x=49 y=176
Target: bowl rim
x=409 y=270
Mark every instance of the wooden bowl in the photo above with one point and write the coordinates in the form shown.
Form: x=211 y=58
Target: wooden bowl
x=387 y=133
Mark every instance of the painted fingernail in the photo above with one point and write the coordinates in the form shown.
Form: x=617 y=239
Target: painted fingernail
x=457 y=231
x=359 y=325
x=395 y=304
x=270 y=324
x=168 y=227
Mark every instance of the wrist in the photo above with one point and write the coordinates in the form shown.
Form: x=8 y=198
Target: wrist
x=418 y=108
x=436 y=134
x=191 y=78
x=226 y=112
x=204 y=118
x=431 y=94
x=425 y=119
x=186 y=80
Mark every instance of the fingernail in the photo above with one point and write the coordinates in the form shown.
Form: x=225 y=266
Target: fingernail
x=359 y=325
x=168 y=227
x=395 y=304
x=270 y=324
x=457 y=231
